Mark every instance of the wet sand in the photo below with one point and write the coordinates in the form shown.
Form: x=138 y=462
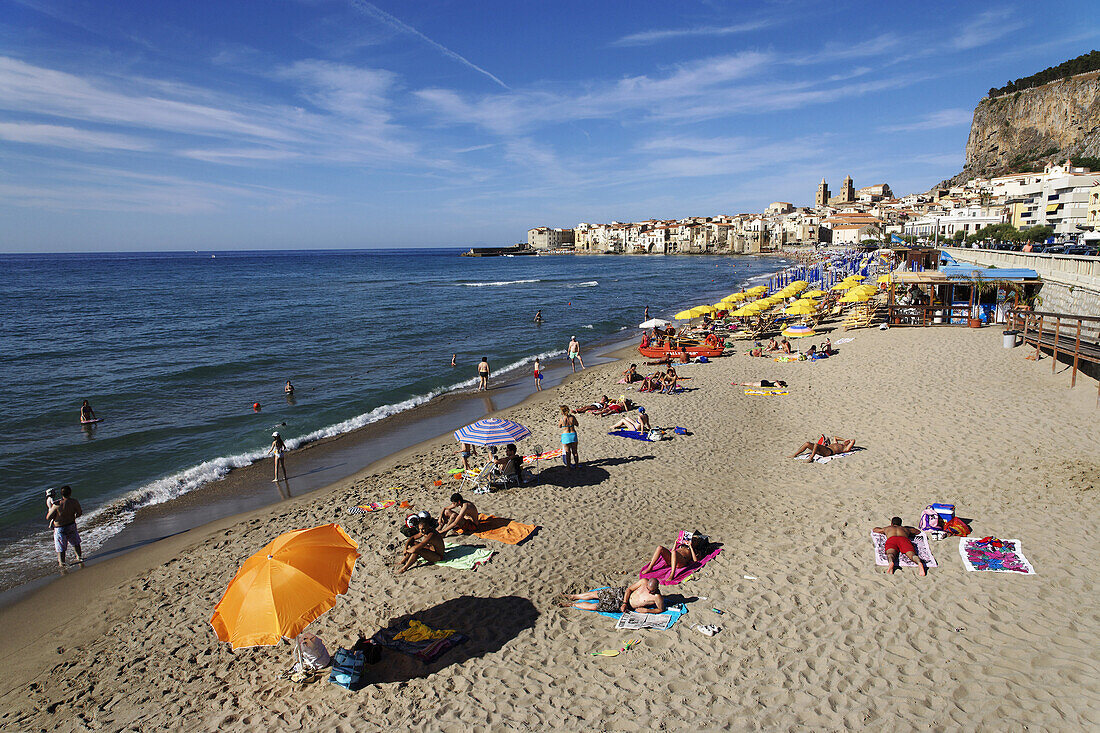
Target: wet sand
x=815 y=636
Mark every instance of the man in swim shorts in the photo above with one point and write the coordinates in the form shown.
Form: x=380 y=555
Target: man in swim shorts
x=643 y=596
x=483 y=374
x=460 y=515
x=62 y=518
x=574 y=350
x=899 y=541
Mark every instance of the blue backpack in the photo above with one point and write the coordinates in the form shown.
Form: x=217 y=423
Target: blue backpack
x=347 y=668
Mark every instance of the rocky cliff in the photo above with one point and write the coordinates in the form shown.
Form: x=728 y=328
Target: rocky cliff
x=1028 y=128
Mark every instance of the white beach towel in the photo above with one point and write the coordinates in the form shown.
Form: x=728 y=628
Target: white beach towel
x=824 y=459
x=1008 y=558
x=845 y=340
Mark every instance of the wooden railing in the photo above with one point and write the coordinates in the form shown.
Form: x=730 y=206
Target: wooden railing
x=1072 y=336
x=926 y=315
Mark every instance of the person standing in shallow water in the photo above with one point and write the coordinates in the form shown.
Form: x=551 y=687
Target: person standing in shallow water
x=278 y=448
x=483 y=374
x=62 y=517
x=574 y=350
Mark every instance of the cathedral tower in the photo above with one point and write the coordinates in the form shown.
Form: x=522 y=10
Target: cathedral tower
x=822 y=194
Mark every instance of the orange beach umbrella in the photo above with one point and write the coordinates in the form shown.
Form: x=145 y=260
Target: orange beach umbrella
x=285 y=586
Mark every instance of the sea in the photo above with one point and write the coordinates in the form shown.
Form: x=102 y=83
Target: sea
x=173 y=350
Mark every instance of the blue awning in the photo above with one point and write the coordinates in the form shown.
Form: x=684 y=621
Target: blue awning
x=966 y=272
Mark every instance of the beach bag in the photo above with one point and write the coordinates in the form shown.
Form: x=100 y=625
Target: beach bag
x=313 y=653
x=347 y=668
x=957 y=527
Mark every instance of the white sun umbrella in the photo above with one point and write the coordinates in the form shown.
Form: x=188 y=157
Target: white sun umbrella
x=655 y=323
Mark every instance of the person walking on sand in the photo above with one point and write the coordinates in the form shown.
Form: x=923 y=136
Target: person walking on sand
x=483 y=374
x=278 y=448
x=899 y=541
x=574 y=350
x=87 y=414
x=538 y=375
x=62 y=517
x=568 y=425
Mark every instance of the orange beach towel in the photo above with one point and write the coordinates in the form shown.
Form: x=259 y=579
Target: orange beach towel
x=508 y=531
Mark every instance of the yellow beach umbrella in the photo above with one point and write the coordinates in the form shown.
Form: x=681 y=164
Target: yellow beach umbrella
x=733 y=298
x=843 y=286
x=800 y=309
x=758 y=289
x=855 y=277
x=811 y=301
x=720 y=306
x=798 y=286
x=813 y=293
x=683 y=316
x=867 y=289
x=701 y=310
x=855 y=298
x=745 y=310
x=884 y=278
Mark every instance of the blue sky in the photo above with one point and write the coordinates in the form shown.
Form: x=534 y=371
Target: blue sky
x=344 y=123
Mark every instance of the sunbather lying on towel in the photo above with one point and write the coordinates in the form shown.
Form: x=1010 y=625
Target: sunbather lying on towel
x=763 y=383
x=427 y=543
x=460 y=515
x=613 y=408
x=899 y=541
x=826 y=447
x=642 y=596
x=679 y=556
x=593 y=407
x=640 y=423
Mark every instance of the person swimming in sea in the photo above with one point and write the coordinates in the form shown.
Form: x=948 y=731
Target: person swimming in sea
x=87 y=414
x=538 y=316
x=289 y=388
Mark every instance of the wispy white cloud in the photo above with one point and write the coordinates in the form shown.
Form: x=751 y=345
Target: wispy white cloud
x=647 y=37
x=69 y=137
x=28 y=88
x=515 y=112
x=393 y=22
x=719 y=156
x=879 y=45
x=956 y=117
x=985 y=28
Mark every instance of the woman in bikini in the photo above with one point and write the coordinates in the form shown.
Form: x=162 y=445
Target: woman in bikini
x=679 y=556
x=595 y=406
x=568 y=425
x=426 y=544
x=278 y=448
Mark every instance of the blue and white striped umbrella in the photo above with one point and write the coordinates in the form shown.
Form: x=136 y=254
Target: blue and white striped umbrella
x=492 y=431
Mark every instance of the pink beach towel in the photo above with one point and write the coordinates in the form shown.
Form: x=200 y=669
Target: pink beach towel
x=661 y=569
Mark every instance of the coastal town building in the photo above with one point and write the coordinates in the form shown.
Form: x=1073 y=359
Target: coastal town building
x=847 y=193
x=1092 y=216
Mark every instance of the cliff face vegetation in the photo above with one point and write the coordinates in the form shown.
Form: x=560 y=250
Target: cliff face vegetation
x=1028 y=128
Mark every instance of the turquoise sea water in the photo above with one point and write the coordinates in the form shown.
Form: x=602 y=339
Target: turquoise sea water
x=173 y=349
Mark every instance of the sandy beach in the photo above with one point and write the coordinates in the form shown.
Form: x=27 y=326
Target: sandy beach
x=813 y=634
